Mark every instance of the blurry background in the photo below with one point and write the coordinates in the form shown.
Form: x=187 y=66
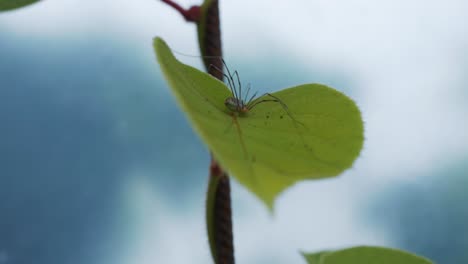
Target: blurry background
x=98 y=165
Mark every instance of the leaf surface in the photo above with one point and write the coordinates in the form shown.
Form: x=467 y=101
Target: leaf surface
x=6 y=5
x=365 y=254
x=269 y=149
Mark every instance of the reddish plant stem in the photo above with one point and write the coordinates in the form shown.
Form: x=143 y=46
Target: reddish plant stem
x=222 y=214
x=212 y=42
x=212 y=49
x=191 y=15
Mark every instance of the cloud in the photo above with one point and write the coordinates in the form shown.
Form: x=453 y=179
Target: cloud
x=158 y=232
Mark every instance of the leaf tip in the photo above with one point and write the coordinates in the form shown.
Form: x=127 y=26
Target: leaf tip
x=162 y=50
x=158 y=42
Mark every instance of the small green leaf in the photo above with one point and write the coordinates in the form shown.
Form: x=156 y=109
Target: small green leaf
x=269 y=149
x=6 y=5
x=365 y=254
x=210 y=207
x=315 y=258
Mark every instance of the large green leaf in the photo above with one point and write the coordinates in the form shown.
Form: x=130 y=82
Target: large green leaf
x=365 y=254
x=267 y=149
x=14 y=4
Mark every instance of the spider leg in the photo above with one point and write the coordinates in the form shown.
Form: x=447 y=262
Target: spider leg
x=261 y=101
x=228 y=78
x=279 y=101
x=251 y=98
x=276 y=100
x=247 y=93
x=239 y=83
x=231 y=78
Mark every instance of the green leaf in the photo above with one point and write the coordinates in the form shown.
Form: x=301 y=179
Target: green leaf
x=210 y=207
x=6 y=5
x=365 y=254
x=267 y=149
x=315 y=258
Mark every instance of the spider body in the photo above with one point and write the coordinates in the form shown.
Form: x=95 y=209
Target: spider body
x=236 y=105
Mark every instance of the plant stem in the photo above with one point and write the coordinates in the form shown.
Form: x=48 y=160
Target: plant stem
x=212 y=47
x=191 y=15
x=219 y=214
x=222 y=213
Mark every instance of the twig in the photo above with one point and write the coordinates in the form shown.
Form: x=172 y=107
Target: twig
x=222 y=215
x=191 y=15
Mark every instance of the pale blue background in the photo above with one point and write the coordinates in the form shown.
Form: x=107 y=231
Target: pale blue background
x=98 y=165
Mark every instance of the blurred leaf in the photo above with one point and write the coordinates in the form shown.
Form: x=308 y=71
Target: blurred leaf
x=268 y=150
x=365 y=255
x=6 y=5
x=315 y=258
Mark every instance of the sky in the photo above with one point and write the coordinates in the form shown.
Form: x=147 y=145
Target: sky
x=403 y=63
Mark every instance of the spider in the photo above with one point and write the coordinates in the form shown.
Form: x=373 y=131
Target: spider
x=237 y=104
